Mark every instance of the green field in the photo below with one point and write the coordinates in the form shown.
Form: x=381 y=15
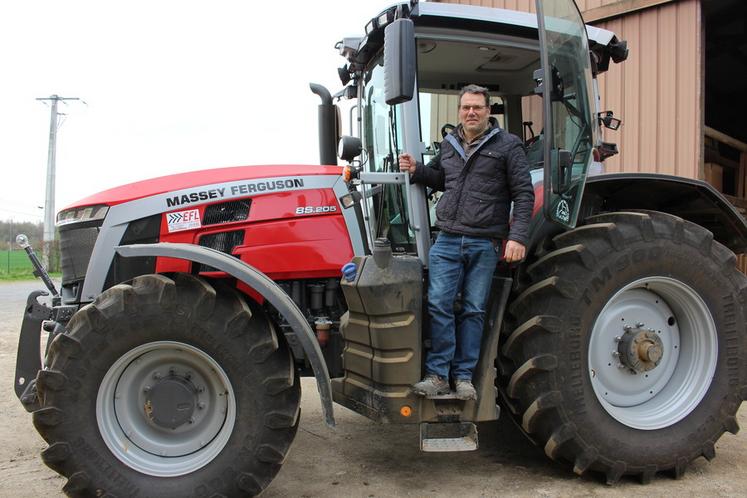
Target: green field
x=15 y=265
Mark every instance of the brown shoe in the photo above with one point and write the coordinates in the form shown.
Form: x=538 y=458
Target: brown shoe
x=431 y=385
x=465 y=390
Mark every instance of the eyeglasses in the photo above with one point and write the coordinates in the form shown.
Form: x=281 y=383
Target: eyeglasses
x=476 y=108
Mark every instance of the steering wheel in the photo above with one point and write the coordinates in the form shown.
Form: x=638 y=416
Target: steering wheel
x=446 y=129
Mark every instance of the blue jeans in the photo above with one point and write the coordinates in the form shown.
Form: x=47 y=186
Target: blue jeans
x=458 y=263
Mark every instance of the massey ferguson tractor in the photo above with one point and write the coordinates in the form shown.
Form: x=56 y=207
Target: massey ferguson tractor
x=191 y=304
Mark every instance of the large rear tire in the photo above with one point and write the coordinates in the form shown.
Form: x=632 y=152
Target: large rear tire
x=168 y=387
x=629 y=350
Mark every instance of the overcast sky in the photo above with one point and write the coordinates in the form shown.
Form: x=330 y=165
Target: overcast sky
x=169 y=86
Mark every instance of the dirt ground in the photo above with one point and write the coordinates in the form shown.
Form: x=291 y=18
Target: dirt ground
x=363 y=459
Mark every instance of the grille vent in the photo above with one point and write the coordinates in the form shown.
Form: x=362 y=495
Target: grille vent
x=223 y=242
x=226 y=212
x=76 y=246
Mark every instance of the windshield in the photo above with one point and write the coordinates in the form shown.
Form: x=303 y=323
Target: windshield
x=382 y=139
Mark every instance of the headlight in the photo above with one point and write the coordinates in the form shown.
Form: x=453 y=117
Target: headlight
x=81 y=214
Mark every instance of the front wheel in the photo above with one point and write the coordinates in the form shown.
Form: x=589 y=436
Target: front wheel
x=629 y=350
x=168 y=387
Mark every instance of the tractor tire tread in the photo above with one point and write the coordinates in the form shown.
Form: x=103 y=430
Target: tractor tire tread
x=181 y=302
x=528 y=356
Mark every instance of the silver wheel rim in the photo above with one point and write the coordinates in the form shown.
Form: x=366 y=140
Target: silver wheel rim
x=667 y=393
x=125 y=415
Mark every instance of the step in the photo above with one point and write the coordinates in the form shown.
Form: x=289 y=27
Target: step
x=448 y=436
x=449 y=395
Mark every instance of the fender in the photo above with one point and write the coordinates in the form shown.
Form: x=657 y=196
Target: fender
x=692 y=200
x=263 y=285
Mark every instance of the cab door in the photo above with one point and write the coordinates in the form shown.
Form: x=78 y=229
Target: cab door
x=565 y=83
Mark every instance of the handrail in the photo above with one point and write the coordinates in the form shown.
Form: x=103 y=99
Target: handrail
x=725 y=139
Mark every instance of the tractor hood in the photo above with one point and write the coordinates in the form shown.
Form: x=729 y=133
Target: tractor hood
x=180 y=181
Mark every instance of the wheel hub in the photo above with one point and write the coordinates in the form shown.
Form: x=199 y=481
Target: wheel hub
x=166 y=408
x=171 y=402
x=658 y=370
x=641 y=349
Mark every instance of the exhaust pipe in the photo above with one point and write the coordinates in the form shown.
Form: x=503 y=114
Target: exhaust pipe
x=327 y=125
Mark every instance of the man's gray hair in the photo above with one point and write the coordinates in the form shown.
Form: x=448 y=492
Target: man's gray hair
x=475 y=89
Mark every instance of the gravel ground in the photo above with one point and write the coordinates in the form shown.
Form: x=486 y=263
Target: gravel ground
x=363 y=459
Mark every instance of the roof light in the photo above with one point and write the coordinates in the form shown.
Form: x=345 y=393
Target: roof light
x=383 y=19
x=380 y=21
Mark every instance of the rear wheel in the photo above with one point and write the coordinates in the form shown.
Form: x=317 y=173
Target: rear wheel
x=168 y=385
x=629 y=349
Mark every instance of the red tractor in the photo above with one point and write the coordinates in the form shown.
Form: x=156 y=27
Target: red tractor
x=191 y=304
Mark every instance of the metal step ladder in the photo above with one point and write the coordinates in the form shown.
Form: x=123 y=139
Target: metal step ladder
x=448 y=433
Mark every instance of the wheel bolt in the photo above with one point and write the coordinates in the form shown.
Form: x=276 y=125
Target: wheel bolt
x=191 y=420
x=146 y=389
x=157 y=376
x=200 y=405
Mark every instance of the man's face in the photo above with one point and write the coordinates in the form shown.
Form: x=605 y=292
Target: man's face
x=473 y=113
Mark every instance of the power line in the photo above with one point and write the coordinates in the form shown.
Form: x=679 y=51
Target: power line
x=26 y=213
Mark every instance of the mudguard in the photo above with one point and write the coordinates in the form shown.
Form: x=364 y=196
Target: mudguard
x=690 y=199
x=264 y=286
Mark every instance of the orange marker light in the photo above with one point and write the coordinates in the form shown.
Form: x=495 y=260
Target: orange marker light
x=346 y=174
x=405 y=411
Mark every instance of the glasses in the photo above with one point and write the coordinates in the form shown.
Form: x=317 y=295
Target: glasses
x=476 y=108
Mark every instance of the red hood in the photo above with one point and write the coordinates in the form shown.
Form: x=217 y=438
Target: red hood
x=179 y=181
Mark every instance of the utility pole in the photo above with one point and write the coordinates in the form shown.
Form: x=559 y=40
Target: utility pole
x=49 y=210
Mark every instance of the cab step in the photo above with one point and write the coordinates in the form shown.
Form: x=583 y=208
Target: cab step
x=448 y=436
x=449 y=395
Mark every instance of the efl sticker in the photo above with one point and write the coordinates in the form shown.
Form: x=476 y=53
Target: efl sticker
x=183 y=220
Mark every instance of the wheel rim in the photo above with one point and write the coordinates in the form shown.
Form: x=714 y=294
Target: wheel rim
x=664 y=313
x=165 y=408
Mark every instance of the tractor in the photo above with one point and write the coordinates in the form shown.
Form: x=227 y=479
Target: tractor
x=168 y=363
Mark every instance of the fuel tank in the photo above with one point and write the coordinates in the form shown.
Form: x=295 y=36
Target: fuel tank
x=382 y=338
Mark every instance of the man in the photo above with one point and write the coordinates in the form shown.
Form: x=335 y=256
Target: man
x=481 y=169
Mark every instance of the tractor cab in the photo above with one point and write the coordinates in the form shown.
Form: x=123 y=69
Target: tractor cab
x=406 y=74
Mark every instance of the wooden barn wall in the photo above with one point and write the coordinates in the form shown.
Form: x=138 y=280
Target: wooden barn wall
x=742 y=262
x=657 y=92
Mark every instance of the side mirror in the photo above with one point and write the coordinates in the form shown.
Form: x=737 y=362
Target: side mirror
x=399 y=61
x=348 y=148
x=606 y=119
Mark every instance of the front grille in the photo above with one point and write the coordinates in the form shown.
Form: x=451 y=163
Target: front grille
x=226 y=212
x=223 y=242
x=76 y=246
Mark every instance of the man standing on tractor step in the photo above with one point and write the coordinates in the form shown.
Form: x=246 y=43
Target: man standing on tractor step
x=481 y=169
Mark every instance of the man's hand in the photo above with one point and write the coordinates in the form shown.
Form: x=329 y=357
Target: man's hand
x=406 y=163
x=515 y=251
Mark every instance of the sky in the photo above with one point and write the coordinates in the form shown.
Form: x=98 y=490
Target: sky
x=165 y=86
